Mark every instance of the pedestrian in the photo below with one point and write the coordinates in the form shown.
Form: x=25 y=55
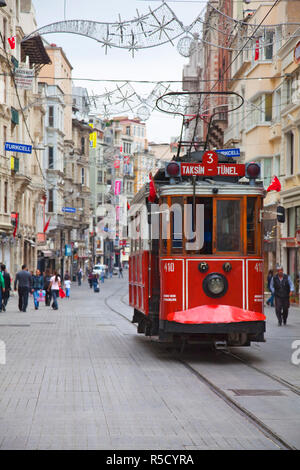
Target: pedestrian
x=95 y=283
x=110 y=273
x=120 y=272
x=23 y=279
x=67 y=283
x=67 y=276
x=282 y=287
x=79 y=276
x=270 y=301
x=37 y=285
x=7 y=287
x=55 y=284
x=47 y=280
x=2 y=288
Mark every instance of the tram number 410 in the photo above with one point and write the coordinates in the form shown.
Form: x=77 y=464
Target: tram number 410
x=169 y=267
x=258 y=267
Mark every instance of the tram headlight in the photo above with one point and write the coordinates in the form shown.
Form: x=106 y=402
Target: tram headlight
x=215 y=285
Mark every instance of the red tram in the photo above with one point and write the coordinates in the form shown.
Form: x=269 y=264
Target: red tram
x=196 y=263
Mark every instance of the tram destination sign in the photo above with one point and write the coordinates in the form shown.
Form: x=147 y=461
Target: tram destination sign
x=221 y=169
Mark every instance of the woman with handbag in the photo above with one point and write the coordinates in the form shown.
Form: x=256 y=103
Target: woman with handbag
x=54 y=287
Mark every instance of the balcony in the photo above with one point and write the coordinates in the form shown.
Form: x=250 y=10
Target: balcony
x=5 y=222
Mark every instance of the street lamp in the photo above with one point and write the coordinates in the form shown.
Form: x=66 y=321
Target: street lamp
x=2 y=4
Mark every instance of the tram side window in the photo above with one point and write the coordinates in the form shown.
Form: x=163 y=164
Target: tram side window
x=228 y=225
x=176 y=224
x=251 y=225
x=192 y=225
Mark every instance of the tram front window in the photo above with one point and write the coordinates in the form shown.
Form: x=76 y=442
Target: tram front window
x=193 y=225
x=228 y=225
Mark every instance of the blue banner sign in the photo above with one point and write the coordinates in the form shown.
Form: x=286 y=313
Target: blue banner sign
x=69 y=209
x=18 y=148
x=230 y=152
x=68 y=250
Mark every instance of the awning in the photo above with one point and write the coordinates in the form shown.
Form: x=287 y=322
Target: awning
x=35 y=50
x=48 y=253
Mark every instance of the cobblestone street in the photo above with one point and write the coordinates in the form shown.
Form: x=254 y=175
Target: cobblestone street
x=81 y=378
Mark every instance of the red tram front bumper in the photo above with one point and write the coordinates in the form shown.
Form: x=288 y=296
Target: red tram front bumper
x=214 y=314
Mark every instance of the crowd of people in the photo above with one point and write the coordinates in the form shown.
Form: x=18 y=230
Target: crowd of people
x=45 y=287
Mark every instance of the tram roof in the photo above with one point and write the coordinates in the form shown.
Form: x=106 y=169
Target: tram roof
x=202 y=188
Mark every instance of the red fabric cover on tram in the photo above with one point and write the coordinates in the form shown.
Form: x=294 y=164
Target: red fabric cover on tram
x=215 y=314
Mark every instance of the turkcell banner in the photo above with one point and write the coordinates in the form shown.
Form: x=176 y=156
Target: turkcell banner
x=71 y=210
x=229 y=152
x=18 y=148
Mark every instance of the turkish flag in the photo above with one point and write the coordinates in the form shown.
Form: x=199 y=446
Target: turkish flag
x=47 y=225
x=12 y=42
x=128 y=206
x=275 y=185
x=152 y=189
x=256 y=50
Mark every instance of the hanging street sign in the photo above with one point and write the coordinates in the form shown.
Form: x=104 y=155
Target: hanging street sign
x=69 y=209
x=19 y=148
x=229 y=152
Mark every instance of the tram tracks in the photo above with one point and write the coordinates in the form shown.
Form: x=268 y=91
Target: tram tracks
x=225 y=397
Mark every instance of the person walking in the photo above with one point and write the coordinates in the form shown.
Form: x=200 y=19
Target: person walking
x=7 y=287
x=270 y=300
x=37 y=285
x=282 y=287
x=55 y=284
x=79 y=276
x=120 y=272
x=2 y=288
x=47 y=279
x=23 y=280
x=67 y=283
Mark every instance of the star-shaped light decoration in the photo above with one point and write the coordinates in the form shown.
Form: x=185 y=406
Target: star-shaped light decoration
x=140 y=21
x=162 y=27
x=133 y=44
x=106 y=41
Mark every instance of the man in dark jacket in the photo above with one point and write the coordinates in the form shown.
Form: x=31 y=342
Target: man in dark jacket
x=37 y=284
x=282 y=287
x=7 y=287
x=23 y=279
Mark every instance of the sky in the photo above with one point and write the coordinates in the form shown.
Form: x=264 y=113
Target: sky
x=89 y=60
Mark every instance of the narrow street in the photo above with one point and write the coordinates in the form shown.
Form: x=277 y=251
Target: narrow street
x=81 y=378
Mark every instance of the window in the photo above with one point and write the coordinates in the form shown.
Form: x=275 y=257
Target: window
x=277 y=105
x=50 y=158
x=82 y=175
x=51 y=116
x=99 y=178
x=82 y=145
x=290 y=152
x=5 y=196
x=251 y=225
x=297 y=217
x=268 y=49
x=50 y=201
x=267 y=169
x=291 y=222
x=127 y=130
x=260 y=110
x=228 y=225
